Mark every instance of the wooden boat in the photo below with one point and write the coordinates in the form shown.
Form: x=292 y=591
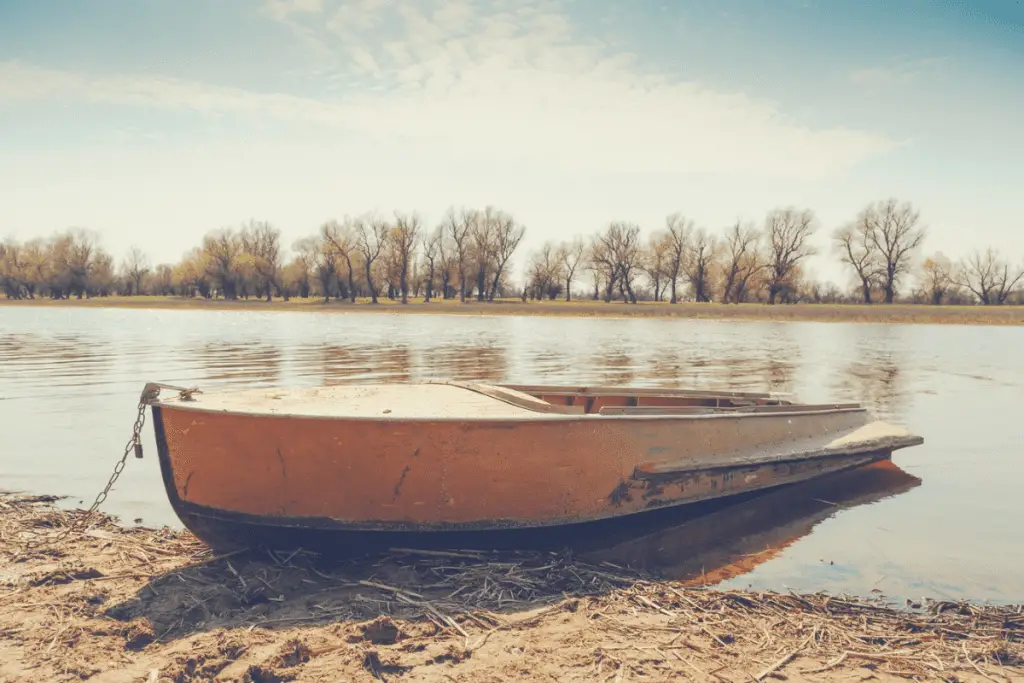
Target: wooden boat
x=268 y=467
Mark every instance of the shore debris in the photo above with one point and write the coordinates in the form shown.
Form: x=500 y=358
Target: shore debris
x=155 y=604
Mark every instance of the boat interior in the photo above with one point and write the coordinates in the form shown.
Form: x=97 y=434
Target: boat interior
x=635 y=401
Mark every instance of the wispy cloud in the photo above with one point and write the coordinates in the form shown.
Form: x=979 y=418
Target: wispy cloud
x=282 y=9
x=508 y=81
x=899 y=73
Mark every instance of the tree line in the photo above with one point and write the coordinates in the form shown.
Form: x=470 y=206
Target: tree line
x=469 y=255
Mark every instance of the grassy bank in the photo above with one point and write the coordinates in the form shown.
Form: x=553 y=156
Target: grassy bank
x=898 y=313
x=111 y=603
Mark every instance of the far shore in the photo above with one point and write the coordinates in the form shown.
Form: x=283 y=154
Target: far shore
x=876 y=313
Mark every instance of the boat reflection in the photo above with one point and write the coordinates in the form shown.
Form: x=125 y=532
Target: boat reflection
x=700 y=545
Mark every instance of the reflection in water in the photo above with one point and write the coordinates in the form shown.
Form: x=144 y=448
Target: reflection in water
x=615 y=367
x=778 y=374
x=753 y=374
x=241 y=363
x=875 y=383
x=708 y=543
x=550 y=363
x=354 y=364
x=669 y=369
x=780 y=356
x=484 y=363
x=874 y=376
x=45 y=362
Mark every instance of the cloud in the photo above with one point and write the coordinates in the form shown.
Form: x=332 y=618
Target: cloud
x=282 y=9
x=505 y=82
x=899 y=73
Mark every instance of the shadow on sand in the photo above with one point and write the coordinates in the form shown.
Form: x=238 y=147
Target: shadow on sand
x=442 y=589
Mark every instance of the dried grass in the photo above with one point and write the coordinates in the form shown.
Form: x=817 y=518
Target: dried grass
x=147 y=589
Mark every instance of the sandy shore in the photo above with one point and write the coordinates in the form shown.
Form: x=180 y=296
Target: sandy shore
x=899 y=313
x=116 y=604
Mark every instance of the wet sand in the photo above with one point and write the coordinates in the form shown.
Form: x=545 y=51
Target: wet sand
x=114 y=603
x=877 y=313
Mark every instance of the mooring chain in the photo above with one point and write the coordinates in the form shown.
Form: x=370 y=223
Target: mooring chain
x=134 y=445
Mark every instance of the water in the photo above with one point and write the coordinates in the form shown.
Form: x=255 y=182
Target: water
x=947 y=524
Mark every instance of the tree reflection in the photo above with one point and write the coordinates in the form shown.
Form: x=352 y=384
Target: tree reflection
x=614 y=366
x=464 y=362
x=240 y=363
x=875 y=375
x=349 y=364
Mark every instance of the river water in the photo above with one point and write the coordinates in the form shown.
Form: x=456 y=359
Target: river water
x=946 y=524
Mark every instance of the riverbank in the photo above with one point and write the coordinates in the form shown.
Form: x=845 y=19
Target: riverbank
x=114 y=604
x=879 y=313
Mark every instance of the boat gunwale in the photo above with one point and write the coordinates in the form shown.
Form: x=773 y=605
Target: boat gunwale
x=539 y=410
x=723 y=413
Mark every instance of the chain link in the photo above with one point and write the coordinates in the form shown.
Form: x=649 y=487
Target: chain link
x=149 y=394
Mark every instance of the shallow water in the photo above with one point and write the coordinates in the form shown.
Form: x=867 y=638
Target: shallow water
x=949 y=525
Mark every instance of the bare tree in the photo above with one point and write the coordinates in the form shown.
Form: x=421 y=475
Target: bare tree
x=702 y=251
x=620 y=248
x=371 y=235
x=26 y=268
x=135 y=267
x=481 y=232
x=601 y=263
x=989 y=277
x=458 y=229
x=73 y=260
x=295 y=276
x=14 y=275
x=403 y=236
x=855 y=244
x=937 y=278
x=596 y=277
x=653 y=263
x=544 y=274
x=742 y=260
x=894 y=232
x=321 y=255
x=163 y=280
x=788 y=231
x=678 y=230
x=431 y=244
x=262 y=243
x=507 y=236
x=102 y=279
x=192 y=275
x=447 y=260
x=340 y=241
x=222 y=249
x=571 y=255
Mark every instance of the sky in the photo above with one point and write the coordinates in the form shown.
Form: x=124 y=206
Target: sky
x=152 y=123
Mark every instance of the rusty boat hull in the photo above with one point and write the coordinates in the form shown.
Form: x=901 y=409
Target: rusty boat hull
x=408 y=464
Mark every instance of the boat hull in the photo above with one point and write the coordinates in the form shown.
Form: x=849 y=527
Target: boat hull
x=229 y=531
x=240 y=480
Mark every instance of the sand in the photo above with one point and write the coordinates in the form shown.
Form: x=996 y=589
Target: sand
x=115 y=604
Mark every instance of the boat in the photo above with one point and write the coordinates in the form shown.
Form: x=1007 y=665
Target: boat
x=418 y=462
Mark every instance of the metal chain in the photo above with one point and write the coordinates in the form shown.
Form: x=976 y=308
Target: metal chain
x=149 y=394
